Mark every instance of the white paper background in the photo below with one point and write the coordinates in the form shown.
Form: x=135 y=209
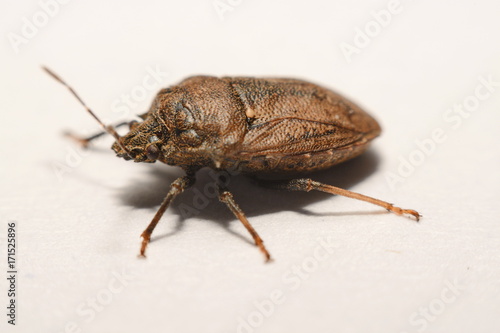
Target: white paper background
x=78 y=234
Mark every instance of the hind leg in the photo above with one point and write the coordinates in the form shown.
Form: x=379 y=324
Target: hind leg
x=307 y=184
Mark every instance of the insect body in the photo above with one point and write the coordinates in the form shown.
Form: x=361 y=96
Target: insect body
x=259 y=125
x=254 y=126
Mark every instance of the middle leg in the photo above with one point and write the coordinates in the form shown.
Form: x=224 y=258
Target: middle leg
x=226 y=197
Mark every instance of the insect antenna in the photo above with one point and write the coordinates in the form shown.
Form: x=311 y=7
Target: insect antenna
x=108 y=129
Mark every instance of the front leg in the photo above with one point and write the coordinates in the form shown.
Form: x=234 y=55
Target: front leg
x=177 y=187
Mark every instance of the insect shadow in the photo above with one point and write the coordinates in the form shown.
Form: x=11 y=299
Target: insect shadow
x=149 y=190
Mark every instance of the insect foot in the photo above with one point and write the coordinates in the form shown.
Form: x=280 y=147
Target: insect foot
x=401 y=211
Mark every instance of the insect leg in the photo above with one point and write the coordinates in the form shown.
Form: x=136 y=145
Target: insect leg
x=307 y=184
x=177 y=187
x=84 y=142
x=226 y=197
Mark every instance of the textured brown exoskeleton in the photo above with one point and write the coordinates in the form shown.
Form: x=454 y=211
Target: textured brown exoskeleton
x=248 y=125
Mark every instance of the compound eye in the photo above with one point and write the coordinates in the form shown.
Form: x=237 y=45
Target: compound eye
x=152 y=152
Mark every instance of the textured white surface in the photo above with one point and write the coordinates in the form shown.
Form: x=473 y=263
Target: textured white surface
x=79 y=235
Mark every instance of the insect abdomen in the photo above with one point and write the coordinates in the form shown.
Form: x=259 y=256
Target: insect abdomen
x=296 y=126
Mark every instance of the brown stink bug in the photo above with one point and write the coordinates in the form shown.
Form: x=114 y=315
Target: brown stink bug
x=254 y=126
